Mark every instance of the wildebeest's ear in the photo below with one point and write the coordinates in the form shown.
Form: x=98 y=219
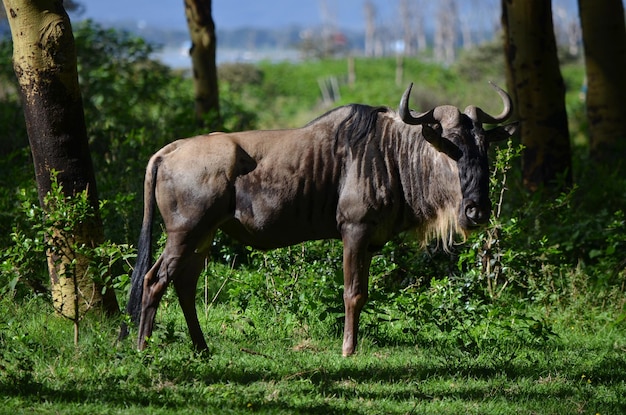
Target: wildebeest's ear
x=441 y=143
x=501 y=133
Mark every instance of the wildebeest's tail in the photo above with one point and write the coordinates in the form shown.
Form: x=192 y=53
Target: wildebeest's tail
x=144 y=248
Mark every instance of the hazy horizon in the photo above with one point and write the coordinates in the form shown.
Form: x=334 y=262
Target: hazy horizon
x=346 y=14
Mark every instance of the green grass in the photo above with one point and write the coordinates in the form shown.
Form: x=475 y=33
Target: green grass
x=290 y=93
x=261 y=370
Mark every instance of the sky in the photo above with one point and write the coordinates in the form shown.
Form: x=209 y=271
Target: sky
x=228 y=13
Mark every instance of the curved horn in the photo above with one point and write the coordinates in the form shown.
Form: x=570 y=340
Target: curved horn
x=405 y=113
x=479 y=115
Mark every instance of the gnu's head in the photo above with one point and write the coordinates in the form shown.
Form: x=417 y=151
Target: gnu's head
x=461 y=136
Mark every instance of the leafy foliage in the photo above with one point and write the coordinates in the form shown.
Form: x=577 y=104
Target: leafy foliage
x=80 y=268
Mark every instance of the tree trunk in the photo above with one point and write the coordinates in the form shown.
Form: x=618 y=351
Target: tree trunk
x=538 y=91
x=604 y=40
x=44 y=60
x=370 y=28
x=202 y=52
x=406 y=15
x=445 y=32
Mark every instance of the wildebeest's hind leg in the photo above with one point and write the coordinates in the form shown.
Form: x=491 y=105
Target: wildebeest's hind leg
x=185 y=284
x=154 y=286
x=179 y=263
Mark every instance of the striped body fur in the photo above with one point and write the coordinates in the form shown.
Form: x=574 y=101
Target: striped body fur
x=360 y=174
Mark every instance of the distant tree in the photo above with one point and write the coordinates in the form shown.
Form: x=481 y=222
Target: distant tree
x=202 y=52
x=322 y=45
x=332 y=41
x=466 y=23
x=370 y=28
x=445 y=32
x=567 y=30
x=538 y=91
x=420 y=28
x=411 y=15
x=604 y=40
x=406 y=17
x=44 y=60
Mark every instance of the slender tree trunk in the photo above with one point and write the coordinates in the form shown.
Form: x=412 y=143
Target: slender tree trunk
x=445 y=32
x=203 y=47
x=44 y=60
x=604 y=40
x=538 y=90
x=370 y=28
x=406 y=15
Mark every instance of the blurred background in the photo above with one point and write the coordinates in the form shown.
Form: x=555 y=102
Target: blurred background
x=250 y=31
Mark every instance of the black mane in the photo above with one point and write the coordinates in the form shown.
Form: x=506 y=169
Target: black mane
x=353 y=130
x=360 y=123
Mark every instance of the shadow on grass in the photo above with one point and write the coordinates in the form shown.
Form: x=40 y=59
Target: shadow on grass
x=323 y=383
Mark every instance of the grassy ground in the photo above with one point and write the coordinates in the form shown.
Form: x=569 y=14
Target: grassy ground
x=581 y=369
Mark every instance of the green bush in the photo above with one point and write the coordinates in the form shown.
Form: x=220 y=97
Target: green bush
x=21 y=264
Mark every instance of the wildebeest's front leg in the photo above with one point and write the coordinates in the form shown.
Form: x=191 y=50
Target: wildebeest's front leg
x=356 y=264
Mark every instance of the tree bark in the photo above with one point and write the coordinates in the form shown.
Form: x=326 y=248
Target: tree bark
x=538 y=91
x=44 y=60
x=604 y=40
x=202 y=52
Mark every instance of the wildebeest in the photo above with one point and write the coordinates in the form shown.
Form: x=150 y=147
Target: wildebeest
x=358 y=173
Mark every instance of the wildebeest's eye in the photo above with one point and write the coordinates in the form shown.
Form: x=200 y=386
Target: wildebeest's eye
x=455 y=138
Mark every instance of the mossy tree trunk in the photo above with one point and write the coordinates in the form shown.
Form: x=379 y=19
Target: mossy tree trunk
x=538 y=91
x=202 y=52
x=604 y=39
x=44 y=60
